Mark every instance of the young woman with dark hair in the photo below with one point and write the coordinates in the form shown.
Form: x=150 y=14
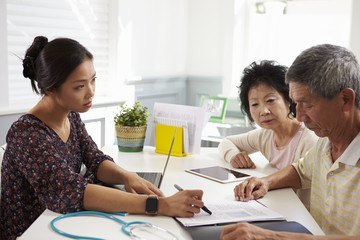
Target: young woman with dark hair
x=47 y=146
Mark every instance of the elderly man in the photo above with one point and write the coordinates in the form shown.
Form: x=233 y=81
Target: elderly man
x=325 y=83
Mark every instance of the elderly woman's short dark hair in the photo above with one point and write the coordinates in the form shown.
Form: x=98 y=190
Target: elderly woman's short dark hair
x=264 y=72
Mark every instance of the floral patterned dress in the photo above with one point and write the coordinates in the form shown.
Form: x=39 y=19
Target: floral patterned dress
x=41 y=171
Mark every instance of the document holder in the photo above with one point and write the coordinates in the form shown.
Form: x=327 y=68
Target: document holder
x=163 y=138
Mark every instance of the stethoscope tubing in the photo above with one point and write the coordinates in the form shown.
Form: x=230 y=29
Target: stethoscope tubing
x=106 y=215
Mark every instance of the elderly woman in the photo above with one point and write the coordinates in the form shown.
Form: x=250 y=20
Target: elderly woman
x=264 y=97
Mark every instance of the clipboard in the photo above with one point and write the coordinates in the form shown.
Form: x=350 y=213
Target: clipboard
x=213 y=232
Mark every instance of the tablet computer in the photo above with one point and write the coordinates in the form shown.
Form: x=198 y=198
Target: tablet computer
x=219 y=174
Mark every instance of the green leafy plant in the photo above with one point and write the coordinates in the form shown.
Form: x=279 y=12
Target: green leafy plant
x=134 y=116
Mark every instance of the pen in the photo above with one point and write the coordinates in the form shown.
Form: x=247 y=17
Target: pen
x=203 y=208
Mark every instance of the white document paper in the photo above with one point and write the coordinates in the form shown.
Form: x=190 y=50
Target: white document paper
x=194 y=116
x=230 y=212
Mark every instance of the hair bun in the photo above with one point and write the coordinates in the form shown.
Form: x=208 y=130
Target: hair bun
x=29 y=68
x=40 y=42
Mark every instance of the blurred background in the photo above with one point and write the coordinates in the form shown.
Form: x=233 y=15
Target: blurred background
x=171 y=51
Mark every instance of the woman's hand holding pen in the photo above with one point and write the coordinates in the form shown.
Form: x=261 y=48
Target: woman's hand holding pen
x=203 y=207
x=251 y=188
x=182 y=204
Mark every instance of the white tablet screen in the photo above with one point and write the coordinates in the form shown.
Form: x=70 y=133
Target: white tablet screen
x=219 y=174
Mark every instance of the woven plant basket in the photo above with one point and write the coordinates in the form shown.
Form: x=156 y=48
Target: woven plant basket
x=130 y=139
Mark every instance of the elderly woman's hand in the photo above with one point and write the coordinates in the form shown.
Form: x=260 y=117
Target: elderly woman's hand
x=242 y=160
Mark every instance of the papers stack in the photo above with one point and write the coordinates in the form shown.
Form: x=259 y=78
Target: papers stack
x=190 y=122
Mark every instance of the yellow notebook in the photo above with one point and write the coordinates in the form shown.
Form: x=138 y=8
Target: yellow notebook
x=163 y=139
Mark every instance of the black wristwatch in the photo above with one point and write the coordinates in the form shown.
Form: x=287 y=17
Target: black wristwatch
x=151 y=207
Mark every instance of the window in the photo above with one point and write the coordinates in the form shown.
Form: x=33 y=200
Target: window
x=288 y=28
x=279 y=30
x=86 y=21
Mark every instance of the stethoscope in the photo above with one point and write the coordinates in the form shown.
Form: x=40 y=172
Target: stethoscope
x=136 y=229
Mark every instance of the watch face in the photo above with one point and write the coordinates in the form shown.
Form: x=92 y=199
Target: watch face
x=151 y=205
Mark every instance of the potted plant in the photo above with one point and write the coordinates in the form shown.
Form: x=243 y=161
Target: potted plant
x=130 y=124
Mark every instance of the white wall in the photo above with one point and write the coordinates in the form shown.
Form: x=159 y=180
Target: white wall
x=355 y=29
x=211 y=46
x=192 y=37
x=217 y=38
x=205 y=41
x=153 y=37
